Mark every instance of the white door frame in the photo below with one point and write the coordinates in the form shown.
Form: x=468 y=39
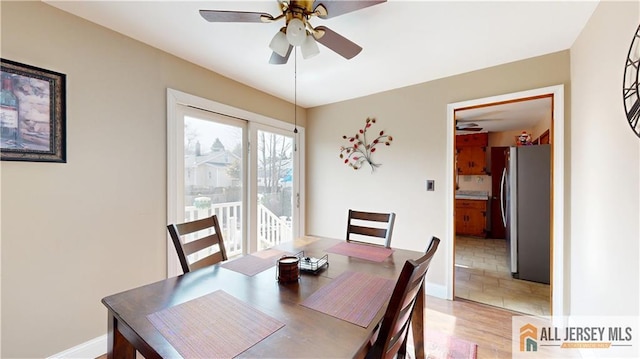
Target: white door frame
x=558 y=306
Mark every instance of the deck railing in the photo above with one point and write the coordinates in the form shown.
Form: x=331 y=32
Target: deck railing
x=272 y=230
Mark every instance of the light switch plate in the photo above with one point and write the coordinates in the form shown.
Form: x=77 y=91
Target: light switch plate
x=431 y=185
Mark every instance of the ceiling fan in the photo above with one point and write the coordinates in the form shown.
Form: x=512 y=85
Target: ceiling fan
x=467 y=126
x=298 y=31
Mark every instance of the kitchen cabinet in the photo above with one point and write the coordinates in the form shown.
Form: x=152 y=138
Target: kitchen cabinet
x=471 y=154
x=471 y=160
x=472 y=140
x=471 y=217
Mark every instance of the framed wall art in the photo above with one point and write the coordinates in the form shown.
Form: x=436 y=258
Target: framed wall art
x=32 y=114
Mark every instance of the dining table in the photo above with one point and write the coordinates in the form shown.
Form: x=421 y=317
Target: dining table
x=243 y=307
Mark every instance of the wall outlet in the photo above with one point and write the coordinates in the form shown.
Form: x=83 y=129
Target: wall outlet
x=431 y=185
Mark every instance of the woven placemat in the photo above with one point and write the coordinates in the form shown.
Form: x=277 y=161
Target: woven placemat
x=216 y=325
x=253 y=264
x=353 y=296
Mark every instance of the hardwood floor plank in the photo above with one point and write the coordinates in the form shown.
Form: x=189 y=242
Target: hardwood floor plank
x=487 y=326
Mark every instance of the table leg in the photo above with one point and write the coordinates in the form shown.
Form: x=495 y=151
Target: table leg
x=417 y=323
x=117 y=345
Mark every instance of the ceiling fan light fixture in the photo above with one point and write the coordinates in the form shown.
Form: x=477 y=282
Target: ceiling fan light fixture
x=296 y=32
x=309 y=48
x=279 y=44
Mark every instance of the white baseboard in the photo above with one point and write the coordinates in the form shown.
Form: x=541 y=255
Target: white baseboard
x=90 y=349
x=436 y=290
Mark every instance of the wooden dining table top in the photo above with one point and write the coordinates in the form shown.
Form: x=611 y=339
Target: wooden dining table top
x=306 y=332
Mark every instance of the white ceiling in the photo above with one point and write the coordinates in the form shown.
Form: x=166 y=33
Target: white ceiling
x=404 y=42
x=510 y=116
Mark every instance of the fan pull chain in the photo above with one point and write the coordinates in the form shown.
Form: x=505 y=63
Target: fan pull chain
x=295 y=99
x=295 y=91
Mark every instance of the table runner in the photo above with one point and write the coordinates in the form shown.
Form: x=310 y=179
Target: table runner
x=253 y=264
x=216 y=325
x=353 y=296
x=362 y=251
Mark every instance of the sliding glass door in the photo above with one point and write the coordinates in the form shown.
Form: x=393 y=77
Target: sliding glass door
x=213 y=173
x=245 y=171
x=274 y=179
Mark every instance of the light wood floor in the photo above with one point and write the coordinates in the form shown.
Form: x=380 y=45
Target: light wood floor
x=482 y=275
x=487 y=326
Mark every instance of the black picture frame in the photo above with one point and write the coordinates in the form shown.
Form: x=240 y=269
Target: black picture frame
x=33 y=114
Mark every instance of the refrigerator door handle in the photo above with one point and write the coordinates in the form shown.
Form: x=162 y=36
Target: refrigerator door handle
x=502 y=195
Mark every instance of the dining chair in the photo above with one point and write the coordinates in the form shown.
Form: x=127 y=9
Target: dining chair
x=207 y=241
x=370 y=227
x=390 y=338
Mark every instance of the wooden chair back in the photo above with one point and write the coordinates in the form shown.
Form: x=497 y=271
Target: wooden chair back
x=391 y=338
x=207 y=241
x=370 y=227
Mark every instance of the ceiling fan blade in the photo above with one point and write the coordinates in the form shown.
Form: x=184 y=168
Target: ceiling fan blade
x=280 y=60
x=481 y=119
x=235 y=16
x=460 y=124
x=340 y=7
x=469 y=129
x=336 y=42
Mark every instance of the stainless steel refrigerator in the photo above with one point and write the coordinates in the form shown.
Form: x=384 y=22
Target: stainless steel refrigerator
x=526 y=211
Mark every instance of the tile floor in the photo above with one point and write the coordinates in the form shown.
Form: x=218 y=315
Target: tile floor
x=482 y=275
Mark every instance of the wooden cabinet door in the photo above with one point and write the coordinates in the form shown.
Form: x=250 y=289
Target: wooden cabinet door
x=463 y=160
x=476 y=222
x=471 y=161
x=473 y=140
x=461 y=221
x=471 y=217
x=478 y=161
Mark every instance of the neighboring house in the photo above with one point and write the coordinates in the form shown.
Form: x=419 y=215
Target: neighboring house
x=210 y=170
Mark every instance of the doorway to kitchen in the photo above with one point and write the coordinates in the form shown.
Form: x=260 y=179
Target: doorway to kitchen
x=481 y=259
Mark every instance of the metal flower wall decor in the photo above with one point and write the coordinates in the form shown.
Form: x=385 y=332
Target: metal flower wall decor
x=359 y=151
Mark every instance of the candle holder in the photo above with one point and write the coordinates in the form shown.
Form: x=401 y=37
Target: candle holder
x=288 y=269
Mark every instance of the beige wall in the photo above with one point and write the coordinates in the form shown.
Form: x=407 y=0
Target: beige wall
x=605 y=169
x=505 y=138
x=416 y=117
x=76 y=232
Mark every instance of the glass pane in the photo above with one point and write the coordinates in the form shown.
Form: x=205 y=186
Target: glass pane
x=213 y=177
x=275 y=189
